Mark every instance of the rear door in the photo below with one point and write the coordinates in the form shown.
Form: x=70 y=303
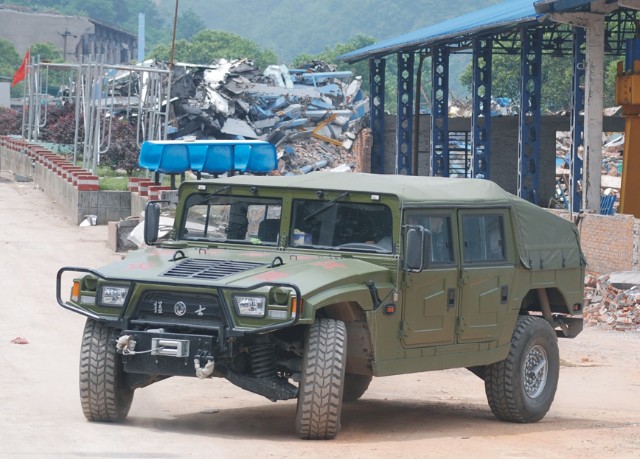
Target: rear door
x=487 y=272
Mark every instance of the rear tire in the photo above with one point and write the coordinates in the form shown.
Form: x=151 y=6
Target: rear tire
x=355 y=386
x=322 y=384
x=521 y=387
x=104 y=396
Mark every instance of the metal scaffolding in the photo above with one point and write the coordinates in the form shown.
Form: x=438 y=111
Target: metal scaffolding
x=99 y=93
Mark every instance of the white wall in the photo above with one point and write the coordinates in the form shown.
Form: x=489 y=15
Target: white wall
x=5 y=98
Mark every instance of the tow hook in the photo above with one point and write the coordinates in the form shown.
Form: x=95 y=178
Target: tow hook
x=205 y=372
x=126 y=345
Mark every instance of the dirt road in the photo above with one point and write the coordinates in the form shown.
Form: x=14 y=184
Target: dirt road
x=596 y=413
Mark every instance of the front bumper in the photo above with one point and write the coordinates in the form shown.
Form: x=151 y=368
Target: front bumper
x=222 y=329
x=166 y=354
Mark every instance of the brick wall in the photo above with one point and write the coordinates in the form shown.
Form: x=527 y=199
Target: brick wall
x=362 y=150
x=610 y=242
x=76 y=190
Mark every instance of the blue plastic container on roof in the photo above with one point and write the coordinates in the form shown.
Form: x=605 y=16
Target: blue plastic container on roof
x=209 y=156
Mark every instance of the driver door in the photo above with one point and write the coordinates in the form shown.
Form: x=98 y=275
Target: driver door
x=430 y=297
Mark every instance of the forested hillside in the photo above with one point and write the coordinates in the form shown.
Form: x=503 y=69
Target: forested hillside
x=287 y=27
x=293 y=27
x=274 y=31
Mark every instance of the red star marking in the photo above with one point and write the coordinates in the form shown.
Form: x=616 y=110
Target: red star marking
x=271 y=276
x=256 y=254
x=304 y=257
x=157 y=251
x=141 y=266
x=329 y=264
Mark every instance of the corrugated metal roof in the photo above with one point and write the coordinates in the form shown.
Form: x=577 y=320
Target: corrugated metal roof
x=503 y=15
x=550 y=6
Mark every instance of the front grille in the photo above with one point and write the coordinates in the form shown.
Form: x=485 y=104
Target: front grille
x=183 y=308
x=194 y=268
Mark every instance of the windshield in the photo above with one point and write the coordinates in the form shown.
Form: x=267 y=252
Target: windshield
x=240 y=219
x=342 y=226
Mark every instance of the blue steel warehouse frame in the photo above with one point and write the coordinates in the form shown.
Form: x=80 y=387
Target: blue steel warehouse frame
x=513 y=27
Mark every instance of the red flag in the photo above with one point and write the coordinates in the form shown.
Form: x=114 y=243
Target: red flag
x=21 y=73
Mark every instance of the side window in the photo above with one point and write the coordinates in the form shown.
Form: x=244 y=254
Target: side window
x=483 y=237
x=363 y=227
x=440 y=228
x=232 y=218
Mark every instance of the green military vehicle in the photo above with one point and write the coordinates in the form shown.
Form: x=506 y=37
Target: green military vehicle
x=305 y=287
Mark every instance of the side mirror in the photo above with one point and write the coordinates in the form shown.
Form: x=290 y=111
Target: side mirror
x=417 y=249
x=151 y=222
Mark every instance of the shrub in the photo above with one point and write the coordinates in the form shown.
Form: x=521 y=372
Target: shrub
x=61 y=125
x=10 y=121
x=123 y=150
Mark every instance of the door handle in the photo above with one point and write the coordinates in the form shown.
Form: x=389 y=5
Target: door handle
x=504 y=294
x=451 y=298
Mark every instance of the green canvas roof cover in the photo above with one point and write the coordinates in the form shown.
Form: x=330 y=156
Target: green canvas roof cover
x=545 y=241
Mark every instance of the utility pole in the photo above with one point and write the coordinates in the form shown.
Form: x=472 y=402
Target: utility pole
x=173 y=38
x=64 y=36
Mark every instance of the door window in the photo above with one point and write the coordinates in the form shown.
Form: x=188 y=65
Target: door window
x=483 y=237
x=440 y=228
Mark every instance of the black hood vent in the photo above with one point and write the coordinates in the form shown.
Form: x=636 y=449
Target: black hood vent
x=193 y=268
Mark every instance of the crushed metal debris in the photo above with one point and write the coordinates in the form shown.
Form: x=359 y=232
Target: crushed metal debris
x=313 y=114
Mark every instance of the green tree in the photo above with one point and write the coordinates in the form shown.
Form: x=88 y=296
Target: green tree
x=98 y=9
x=209 y=45
x=189 y=24
x=557 y=74
x=505 y=80
x=610 y=73
x=46 y=52
x=9 y=60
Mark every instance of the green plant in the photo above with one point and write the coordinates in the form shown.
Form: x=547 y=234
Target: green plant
x=10 y=121
x=115 y=183
x=123 y=152
x=61 y=125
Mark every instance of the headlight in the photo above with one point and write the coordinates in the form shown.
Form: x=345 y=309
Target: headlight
x=250 y=306
x=111 y=295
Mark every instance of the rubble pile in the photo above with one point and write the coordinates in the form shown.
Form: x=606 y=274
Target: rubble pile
x=313 y=114
x=304 y=156
x=612 y=148
x=611 y=307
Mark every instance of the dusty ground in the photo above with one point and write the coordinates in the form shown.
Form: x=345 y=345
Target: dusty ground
x=596 y=413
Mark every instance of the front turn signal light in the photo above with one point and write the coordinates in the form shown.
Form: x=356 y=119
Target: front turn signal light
x=75 y=291
x=295 y=307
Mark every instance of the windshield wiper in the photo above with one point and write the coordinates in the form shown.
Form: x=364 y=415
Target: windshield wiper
x=328 y=205
x=218 y=191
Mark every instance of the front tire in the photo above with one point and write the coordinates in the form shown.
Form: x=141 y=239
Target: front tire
x=104 y=396
x=521 y=387
x=322 y=384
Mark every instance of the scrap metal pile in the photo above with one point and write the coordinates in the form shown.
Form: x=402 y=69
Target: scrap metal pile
x=611 y=306
x=312 y=114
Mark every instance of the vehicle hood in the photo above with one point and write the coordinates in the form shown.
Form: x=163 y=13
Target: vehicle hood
x=243 y=268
